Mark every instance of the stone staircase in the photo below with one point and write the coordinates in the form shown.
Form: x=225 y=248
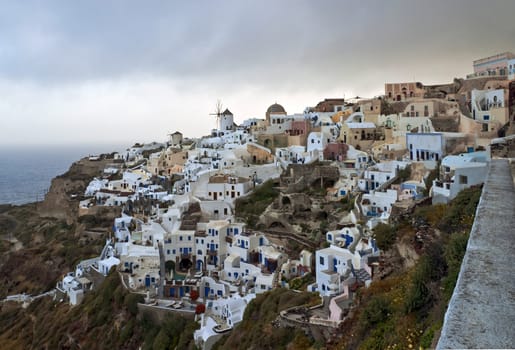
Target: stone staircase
x=362 y=275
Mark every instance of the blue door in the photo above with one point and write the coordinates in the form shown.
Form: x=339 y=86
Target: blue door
x=261 y=241
x=199 y=265
x=172 y=292
x=181 y=292
x=147 y=281
x=206 y=292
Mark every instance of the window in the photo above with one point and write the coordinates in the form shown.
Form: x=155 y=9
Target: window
x=321 y=260
x=312 y=140
x=180 y=238
x=189 y=238
x=463 y=179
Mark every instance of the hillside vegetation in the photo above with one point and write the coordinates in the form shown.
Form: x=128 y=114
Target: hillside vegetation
x=405 y=310
x=257 y=332
x=250 y=207
x=107 y=319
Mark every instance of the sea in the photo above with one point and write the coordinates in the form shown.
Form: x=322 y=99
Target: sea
x=26 y=172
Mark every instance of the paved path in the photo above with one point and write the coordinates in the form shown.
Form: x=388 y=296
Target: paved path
x=481 y=312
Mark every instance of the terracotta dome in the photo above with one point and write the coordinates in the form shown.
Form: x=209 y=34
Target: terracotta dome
x=275 y=109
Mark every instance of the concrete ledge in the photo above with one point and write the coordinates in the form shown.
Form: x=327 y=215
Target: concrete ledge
x=481 y=313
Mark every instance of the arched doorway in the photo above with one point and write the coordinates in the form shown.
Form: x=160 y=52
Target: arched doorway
x=185 y=264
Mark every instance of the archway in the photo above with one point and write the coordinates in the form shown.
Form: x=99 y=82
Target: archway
x=277 y=224
x=185 y=264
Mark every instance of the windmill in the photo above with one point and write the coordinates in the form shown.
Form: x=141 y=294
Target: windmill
x=218 y=112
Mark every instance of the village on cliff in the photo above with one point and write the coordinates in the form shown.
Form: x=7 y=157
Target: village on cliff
x=180 y=242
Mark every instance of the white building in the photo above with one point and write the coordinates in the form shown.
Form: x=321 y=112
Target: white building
x=356 y=159
x=378 y=203
x=142 y=262
x=511 y=69
x=380 y=174
x=243 y=243
x=235 y=269
x=335 y=264
x=226 y=121
x=425 y=146
x=296 y=268
x=211 y=244
x=230 y=310
x=488 y=106
x=264 y=283
x=211 y=288
x=227 y=187
x=316 y=143
x=105 y=265
x=344 y=237
x=459 y=172
x=180 y=245
x=332 y=267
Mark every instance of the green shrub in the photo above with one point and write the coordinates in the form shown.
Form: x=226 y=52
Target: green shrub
x=385 y=236
x=131 y=301
x=375 y=311
x=461 y=211
x=250 y=207
x=418 y=295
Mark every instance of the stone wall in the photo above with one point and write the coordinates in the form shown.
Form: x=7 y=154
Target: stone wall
x=482 y=308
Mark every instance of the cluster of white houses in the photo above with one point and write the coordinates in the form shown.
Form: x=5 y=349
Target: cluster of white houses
x=370 y=140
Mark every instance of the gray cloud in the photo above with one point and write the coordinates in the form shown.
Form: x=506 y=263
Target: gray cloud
x=208 y=49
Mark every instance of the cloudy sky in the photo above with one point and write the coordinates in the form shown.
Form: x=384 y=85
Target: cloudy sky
x=117 y=72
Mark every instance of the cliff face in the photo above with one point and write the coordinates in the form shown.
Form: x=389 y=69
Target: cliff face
x=41 y=241
x=61 y=201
